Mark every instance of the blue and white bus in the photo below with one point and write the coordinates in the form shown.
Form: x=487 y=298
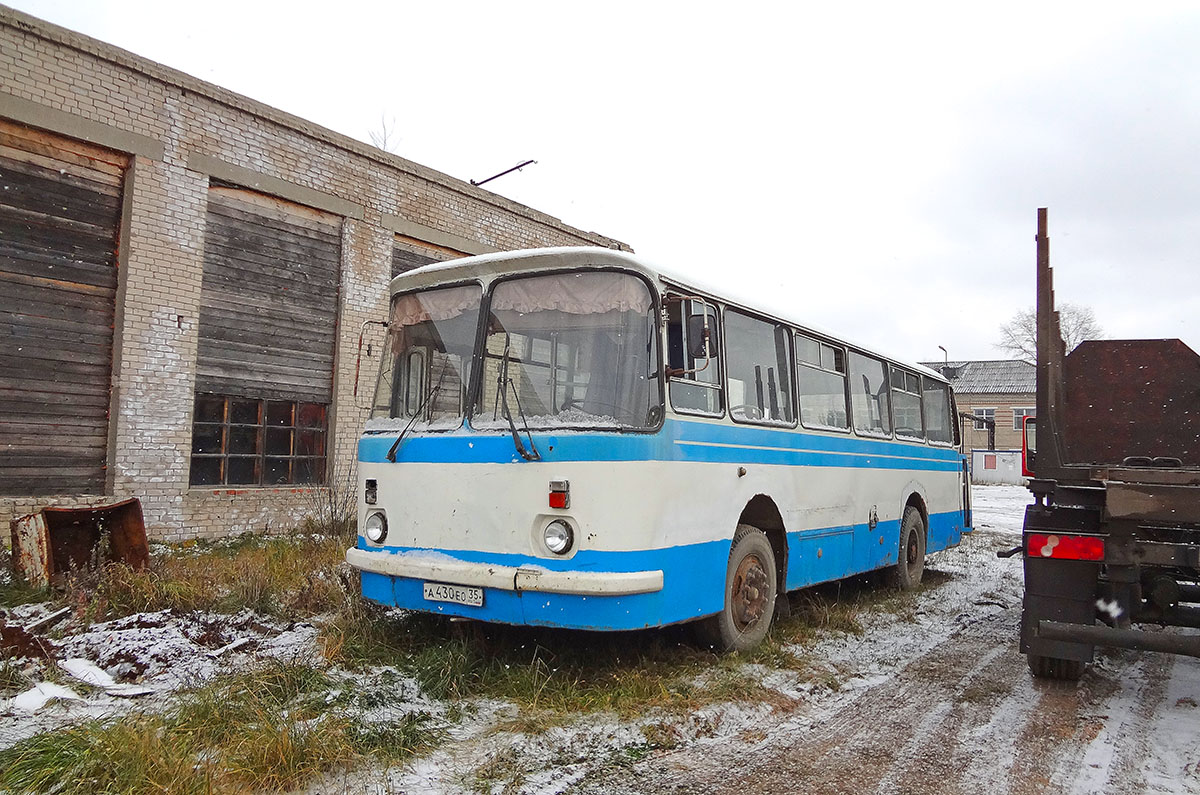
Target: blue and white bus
x=573 y=438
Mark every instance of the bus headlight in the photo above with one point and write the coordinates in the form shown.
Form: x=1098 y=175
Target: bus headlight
x=376 y=527
x=559 y=537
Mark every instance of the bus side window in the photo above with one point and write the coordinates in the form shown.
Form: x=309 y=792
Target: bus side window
x=821 y=384
x=695 y=379
x=758 y=366
x=906 y=404
x=869 y=394
x=939 y=425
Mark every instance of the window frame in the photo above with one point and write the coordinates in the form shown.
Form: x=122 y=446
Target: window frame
x=865 y=433
x=1019 y=419
x=394 y=393
x=262 y=429
x=893 y=371
x=977 y=425
x=718 y=384
x=845 y=376
x=952 y=418
x=789 y=333
x=474 y=392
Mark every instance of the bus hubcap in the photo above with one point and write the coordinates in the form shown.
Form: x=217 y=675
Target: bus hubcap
x=750 y=589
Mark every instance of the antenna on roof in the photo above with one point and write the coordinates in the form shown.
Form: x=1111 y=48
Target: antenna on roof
x=517 y=167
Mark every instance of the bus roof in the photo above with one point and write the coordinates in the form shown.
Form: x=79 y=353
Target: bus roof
x=568 y=257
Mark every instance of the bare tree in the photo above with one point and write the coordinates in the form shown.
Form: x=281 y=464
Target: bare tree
x=385 y=137
x=1018 y=336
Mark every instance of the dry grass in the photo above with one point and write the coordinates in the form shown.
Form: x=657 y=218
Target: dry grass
x=268 y=730
x=291 y=576
x=13 y=590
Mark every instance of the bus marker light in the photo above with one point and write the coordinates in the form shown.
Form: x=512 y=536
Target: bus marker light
x=1065 y=547
x=560 y=494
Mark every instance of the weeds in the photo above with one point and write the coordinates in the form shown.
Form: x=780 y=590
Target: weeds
x=292 y=577
x=547 y=673
x=501 y=770
x=12 y=677
x=131 y=755
x=15 y=592
x=333 y=509
x=266 y=730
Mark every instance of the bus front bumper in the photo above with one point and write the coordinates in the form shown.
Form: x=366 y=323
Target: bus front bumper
x=436 y=567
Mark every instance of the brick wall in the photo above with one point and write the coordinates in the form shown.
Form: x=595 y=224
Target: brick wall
x=183 y=132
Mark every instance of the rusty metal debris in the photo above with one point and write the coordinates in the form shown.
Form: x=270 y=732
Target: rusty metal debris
x=48 y=544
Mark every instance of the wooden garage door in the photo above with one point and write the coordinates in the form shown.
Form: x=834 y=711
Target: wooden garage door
x=268 y=323
x=404 y=259
x=60 y=211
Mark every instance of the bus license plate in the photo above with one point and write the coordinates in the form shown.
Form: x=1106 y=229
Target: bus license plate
x=458 y=594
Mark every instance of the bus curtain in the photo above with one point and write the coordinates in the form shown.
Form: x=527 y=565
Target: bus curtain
x=573 y=293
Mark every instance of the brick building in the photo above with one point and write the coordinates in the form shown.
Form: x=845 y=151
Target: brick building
x=1004 y=391
x=183 y=276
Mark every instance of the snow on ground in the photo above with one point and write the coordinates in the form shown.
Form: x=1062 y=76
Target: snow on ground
x=974 y=593
x=161 y=651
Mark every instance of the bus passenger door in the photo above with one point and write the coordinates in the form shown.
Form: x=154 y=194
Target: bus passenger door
x=966 y=497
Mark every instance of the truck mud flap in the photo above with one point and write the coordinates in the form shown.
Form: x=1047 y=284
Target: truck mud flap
x=1058 y=591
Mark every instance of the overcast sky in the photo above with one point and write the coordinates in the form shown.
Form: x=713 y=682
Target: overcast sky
x=873 y=168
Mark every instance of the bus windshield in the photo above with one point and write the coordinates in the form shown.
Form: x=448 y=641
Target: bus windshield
x=427 y=360
x=570 y=350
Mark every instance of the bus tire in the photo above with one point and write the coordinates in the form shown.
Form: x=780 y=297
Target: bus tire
x=1054 y=668
x=751 y=588
x=906 y=574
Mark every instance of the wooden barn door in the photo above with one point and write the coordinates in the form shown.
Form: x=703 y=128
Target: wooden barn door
x=60 y=213
x=268 y=325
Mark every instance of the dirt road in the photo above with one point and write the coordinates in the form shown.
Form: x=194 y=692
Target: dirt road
x=958 y=712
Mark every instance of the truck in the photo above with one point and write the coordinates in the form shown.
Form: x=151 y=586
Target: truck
x=1111 y=541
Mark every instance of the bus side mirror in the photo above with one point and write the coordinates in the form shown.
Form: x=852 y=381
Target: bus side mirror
x=702 y=337
x=362 y=334
x=1028 y=446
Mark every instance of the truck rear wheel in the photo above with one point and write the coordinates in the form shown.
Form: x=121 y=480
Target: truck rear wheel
x=1055 y=668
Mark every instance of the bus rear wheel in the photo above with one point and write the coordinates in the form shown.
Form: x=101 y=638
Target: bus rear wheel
x=751 y=587
x=906 y=574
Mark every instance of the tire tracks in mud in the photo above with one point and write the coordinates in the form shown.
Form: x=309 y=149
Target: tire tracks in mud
x=965 y=716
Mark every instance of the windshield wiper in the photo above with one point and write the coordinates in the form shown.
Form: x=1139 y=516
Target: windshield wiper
x=430 y=395
x=504 y=383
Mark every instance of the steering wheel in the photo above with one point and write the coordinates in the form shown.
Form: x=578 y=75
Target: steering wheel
x=577 y=403
x=748 y=411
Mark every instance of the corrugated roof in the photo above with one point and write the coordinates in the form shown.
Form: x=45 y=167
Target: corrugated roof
x=1001 y=377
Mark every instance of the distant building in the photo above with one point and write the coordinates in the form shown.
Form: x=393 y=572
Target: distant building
x=1002 y=390
x=183 y=276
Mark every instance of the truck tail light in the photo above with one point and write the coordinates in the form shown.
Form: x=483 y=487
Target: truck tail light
x=1065 y=547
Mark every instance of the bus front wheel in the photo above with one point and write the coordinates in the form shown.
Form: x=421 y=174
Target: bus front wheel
x=751 y=587
x=906 y=574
